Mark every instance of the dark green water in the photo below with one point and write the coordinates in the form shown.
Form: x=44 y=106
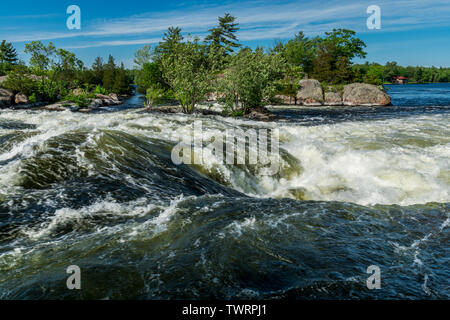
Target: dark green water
x=357 y=188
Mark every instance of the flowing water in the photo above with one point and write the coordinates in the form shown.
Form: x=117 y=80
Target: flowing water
x=357 y=187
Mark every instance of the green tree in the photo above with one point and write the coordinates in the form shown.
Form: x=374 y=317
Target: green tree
x=299 y=51
x=8 y=57
x=185 y=70
x=171 y=39
x=109 y=75
x=222 y=40
x=121 y=82
x=250 y=79
x=142 y=56
x=98 y=70
x=42 y=57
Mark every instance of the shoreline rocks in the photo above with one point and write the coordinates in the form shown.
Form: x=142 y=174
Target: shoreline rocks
x=363 y=94
x=6 y=98
x=310 y=93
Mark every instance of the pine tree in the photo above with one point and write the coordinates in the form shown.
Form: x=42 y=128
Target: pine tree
x=170 y=39
x=224 y=34
x=109 y=75
x=121 y=82
x=98 y=70
x=8 y=57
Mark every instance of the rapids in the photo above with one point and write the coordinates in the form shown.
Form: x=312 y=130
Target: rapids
x=357 y=187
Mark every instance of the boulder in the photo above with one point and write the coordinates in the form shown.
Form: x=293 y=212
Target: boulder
x=333 y=97
x=102 y=96
x=310 y=93
x=6 y=98
x=21 y=99
x=114 y=96
x=363 y=94
x=95 y=104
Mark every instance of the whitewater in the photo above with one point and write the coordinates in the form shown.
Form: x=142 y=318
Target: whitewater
x=354 y=189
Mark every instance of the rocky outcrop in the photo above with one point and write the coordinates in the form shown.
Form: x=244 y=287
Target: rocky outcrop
x=333 y=97
x=6 y=98
x=362 y=94
x=20 y=98
x=60 y=106
x=310 y=93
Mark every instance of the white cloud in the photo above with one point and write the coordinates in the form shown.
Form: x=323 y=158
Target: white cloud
x=259 y=20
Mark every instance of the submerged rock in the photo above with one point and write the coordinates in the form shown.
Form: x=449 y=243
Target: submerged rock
x=310 y=93
x=6 y=98
x=363 y=94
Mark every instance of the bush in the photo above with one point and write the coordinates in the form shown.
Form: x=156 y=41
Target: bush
x=100 y=90
x=186 y=71
x=19 y=80
x=249 y=81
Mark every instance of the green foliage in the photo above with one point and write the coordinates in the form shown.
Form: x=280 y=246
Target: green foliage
x=109 y=75
x=186 y=71
x=250 y=80
x=100 y=90
x=155 y=96
x=299 y=52
x=33 y=98
x=81 y=100
x=150 y=76
x=8 y=57
x=222 y=41
x=41 y=56
x=377 y=74
x=171 y=39
x=20 y=80
x=121 y=81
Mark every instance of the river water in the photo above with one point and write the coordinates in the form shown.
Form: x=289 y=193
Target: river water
x=357 y=187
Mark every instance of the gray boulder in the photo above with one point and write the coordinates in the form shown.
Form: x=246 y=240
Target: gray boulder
x=6 y=98
x=363 y=94
x=333 y=97
x=310 y=93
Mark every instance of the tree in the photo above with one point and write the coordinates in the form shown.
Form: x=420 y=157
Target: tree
x=121 y=81
x=299 y=51
x=186 y=72
x=249 y=80
x=98 y=70
x=224 y=34
x=8 y=57
x=142 y=56
x=170 y=39
x=346 y=44
x=41 y=56
x=109 y=75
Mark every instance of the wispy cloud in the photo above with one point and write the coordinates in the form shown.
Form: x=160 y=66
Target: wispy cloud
x=258 y=20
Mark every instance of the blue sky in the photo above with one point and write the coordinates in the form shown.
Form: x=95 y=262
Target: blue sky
x=414 y=32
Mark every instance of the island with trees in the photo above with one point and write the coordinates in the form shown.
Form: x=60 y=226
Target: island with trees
x=185 y=71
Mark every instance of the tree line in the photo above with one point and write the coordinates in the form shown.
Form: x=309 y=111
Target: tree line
x=378 y=74
x=52 y=74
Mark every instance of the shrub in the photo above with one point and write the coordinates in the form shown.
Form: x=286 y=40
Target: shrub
x=249 y=81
